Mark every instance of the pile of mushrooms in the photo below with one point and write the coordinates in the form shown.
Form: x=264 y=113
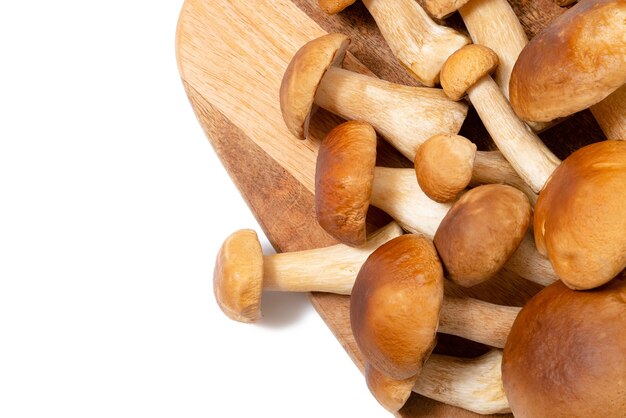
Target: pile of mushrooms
x=464 y=216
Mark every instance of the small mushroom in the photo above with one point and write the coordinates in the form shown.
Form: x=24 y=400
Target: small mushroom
x=242 y=272
x=420 y=44
x=346 y=183
x=405 y=116
x=566 y=353
x=334 y=6
x=445 y=165
x=574 y=63
x=473 y=384
x=398 y=305
x=481 y=231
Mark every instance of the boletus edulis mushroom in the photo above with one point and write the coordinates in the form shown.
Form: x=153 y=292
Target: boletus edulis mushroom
x=566 y=353
x=242 y=272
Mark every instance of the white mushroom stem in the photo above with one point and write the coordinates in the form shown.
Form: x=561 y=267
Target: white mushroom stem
x=420 y=44
x=396 y=191
x=331 y=269
x=532 y=160
x=477 y=320
x=490 y=167
x=472 y=384
x=611 y=114
x=405 y=116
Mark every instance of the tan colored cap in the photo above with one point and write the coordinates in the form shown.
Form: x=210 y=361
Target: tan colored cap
x=395 y=305
x=343 y=181
x=390 y=393
x=578 y=60
x=334 y=6
x=303 y=75
x=580 y=216
x=238 y=276
x=444 y=165
x=465 y=67
x=566 y=353
x=481 y=232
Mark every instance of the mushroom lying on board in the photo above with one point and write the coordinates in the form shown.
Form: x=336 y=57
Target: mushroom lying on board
x=445 y=165
x=347 y=182
x=473 y=384
x=586 y=249
x=420 y=44
x=242 y=272
x=566 y=353
x=405 y=116
x=398 y=306
x=575 y=63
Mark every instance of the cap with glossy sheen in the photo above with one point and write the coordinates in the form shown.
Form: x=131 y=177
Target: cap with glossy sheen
x=443 y=165
x=334 y=6
x=238 y=276
x=575 y=62
x=565 y=355
x=343 y=180
x=395 y=305
x=390 y=393
x=465 y=67
x=580 y=216
x=481 y=232
x=303 y=75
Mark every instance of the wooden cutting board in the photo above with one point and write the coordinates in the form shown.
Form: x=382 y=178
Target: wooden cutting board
x=231 y=57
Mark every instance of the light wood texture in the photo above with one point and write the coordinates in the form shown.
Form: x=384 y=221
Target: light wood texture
x=231 y=56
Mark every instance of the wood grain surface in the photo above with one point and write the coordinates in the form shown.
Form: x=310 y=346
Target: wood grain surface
x=231 y=57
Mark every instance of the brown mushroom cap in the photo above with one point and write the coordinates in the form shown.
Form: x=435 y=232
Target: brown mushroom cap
x=481 y=232
x=303 y=75
x=238 y=276
x=443 y=166
x=465 y=67
x=580 y=216
x=334 y=6
x=395 y=305
x=575 y=62
x=390 y=393
x=343 y=180
x=566 y=353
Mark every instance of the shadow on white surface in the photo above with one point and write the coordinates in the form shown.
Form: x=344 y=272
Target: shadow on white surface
x=283 y=309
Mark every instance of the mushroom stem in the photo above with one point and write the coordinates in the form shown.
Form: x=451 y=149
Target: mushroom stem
x=532 y=160
x=420 y=44
x=396 y=191
x=472 y=384
x=331 y=269
x=477 y=320
x=611 y=114
x=405 y=116
x=490 y=167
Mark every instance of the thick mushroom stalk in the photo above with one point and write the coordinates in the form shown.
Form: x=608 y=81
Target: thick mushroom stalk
x=467 y=71
x=347 y=182
x=420 y=44
x=575 y=63
x=445 y=165
x=242 y=272
x=473 y=384
x=405 y=116
x=398 y=305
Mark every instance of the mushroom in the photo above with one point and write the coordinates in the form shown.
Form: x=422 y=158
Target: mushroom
x=398 y=306
x=405 y=116
x=574 y=63
x=242 y=272
x=445 y=165
x=585 y=249
x=420 y=44
x=566 y=353
x=347 y=182
x=481 y=232
x=474 y=384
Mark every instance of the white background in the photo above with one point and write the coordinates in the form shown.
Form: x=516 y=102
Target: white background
x=112 y=208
